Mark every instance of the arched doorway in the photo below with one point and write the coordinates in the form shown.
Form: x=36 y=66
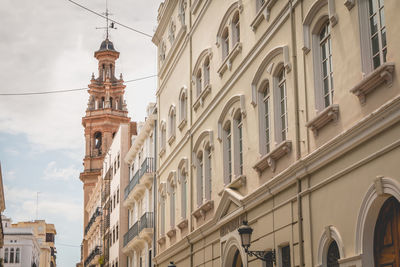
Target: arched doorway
x=387 y=234
x=237 y=260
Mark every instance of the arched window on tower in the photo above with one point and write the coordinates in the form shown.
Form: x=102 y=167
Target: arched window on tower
x=111 y=102
x=97 y=143
x=102 y=102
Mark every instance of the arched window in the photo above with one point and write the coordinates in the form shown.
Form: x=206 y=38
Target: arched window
x=17 y=255
x=282 y=119
x=333 y=255
x=199 y=82
x=12 y=255
x=235 y=29
x=111 y=102
x=237 y=260
x=206 y=68
x=182 y=106
x=6 y=255
x=326 y=63
x=163 y=138
x=98 y=142
x=225 y=43
x=207 y=172
x=102 y=102
x=171 y=124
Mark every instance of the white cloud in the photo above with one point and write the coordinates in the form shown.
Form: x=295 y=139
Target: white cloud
x=52 y=172
x=10 y=175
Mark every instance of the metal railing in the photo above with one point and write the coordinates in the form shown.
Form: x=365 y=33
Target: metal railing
x=92 y=219
x=132 y=232
x=146 y=221
x=146 y=167
x=95 y=251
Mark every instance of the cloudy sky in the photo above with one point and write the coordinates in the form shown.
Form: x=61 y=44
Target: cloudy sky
x=48 y=45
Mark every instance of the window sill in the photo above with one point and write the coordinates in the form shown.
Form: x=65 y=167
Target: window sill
x=171 y=233
x=161 y=240
x=381 y=75
x=263 y=13
x=269 y=160
x=200 y=99
x=183 y=224
x=171 y=139
x=227 y=63
x=203 y=209
x=327 y=115
x=182 y=124
x=239 y=181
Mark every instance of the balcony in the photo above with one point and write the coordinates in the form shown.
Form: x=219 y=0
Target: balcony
x=96 y=251
x=142 y=179
x=140 y=233
x=92 y=220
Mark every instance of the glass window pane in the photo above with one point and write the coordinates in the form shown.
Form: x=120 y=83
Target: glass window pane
x=377 y=61
x=375 y=45
x=384 y=37
x=323 y=48
x=373 y=24
x=324 y=69
x=382 y=17
x=326 y=86
x=384 y=55
x=372 y=6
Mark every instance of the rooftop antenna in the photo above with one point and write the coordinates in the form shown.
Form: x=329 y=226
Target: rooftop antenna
x=108 y=24
x=37 y=205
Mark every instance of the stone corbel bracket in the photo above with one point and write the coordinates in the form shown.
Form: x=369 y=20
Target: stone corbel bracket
x=331 y=113
x=381 y=75
x=269 y=160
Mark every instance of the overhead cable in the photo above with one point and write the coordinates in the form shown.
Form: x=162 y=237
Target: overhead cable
x=67 y=90
x=116 y=22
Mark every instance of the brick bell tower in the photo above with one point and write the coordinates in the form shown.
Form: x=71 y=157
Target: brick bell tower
x=106 y=110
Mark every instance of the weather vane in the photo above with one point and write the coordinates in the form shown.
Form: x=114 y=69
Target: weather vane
x=108 y=24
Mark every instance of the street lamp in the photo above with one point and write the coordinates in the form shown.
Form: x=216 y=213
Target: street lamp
x=171 y=264
x=245 y=232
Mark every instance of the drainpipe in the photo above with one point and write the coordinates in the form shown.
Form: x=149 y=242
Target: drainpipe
x=297 y=125
x=191 y=136
x=155 y=190
x=295 y=79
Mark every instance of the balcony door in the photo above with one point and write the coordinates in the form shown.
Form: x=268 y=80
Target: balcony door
x=387 y=235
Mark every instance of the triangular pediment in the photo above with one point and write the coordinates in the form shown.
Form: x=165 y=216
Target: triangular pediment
x=231 y=201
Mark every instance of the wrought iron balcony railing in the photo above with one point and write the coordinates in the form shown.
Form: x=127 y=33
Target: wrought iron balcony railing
x=92 y=219
x=147 y=167
x=146 y=221
x=95 y=251
x=132 y=232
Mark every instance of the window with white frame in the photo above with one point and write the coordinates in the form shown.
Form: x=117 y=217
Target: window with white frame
x=206 y=67
x=238 y=124
x=225 y=43
x=377 y=31
x=182 y=105
x=183 y=180
x=172 y=206
x=235 y=28
x=200 y=177
x=282 y=117
x=326 y=63
x=204 y=174
x=199 y=82
x=227 y=143
x=265 y=117
x=6 y=255
x=163 y=137
x=171 y=122
x=162 y=215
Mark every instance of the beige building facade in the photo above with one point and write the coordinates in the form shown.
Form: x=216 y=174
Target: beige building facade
x=45 y=234
x=139 y=193
x=284 y=114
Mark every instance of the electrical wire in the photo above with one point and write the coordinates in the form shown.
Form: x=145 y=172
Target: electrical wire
x=116 y=22
x=67 y=90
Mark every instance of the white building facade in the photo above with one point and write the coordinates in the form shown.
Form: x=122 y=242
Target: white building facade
x=138 y=194
x=21 y=248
